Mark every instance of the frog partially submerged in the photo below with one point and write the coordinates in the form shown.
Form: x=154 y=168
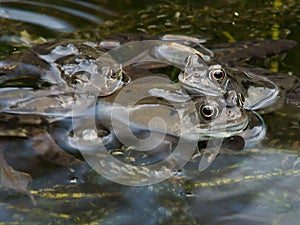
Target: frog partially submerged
x=76 y=64
x=161 y=95
x=167 y=116
x=258 y=91
x=220 y=116
x=200 y=119
x=215 y=69
x=67 y=64
x=224 y=69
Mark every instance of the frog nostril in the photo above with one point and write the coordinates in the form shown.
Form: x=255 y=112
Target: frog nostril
x=231 y=98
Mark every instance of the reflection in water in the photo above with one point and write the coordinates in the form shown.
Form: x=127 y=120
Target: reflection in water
x=53 y=15
x=36 y=18
x=255 y=186
x=256 y=190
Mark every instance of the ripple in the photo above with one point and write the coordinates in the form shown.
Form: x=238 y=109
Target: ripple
x=35 y=18
x=63 y=16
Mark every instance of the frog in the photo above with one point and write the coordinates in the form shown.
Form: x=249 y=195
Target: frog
x=74 y=62
x=56 y=106
x=57 y=102
x=227 y=68
x=64 y=64
x=258 y=91
x=224 y=68
x=201 y=120
x=214 y=69
x=71 y=65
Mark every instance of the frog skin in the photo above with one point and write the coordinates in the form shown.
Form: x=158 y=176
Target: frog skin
x=182 y=120
x=226 y=70
x=201 y=119
x=72 y=64
x=14 y=128
x=222 y=67
x=172 y=93
x=258 y=91
x=229 y=119
x=68 y=64
x=197 y=126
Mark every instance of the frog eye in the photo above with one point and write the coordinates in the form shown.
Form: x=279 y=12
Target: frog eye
x=208 y=112
x=76 y=82
x=114 y=75
x=217 y=75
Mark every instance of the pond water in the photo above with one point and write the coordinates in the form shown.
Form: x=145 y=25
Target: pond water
x=258 y=185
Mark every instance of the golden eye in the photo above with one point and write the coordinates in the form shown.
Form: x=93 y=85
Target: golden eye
x=217 y=75
x=208 y=112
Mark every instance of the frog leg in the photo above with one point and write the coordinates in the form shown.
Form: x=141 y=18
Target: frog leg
x=49 y=151
x=11 y=178
x=208 y=154
x=13 y=71
x=193 y=42
x=88 y=140
x=159 y=152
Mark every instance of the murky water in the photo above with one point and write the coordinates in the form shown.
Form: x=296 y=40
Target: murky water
x=255 y=186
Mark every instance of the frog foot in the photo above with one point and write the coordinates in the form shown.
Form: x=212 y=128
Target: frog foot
x=13 y=179
x=49 y=151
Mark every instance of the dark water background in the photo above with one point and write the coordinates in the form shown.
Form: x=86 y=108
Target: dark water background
x=258 y=186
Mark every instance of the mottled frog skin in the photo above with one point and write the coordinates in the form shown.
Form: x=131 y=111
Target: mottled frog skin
x=70 y=65
x=57 y=121
x=67 y=64
x=261 y=88
x=60 y=87
x=215 y=69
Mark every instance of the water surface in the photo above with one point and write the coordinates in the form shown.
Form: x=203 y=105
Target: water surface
x=256 y=186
